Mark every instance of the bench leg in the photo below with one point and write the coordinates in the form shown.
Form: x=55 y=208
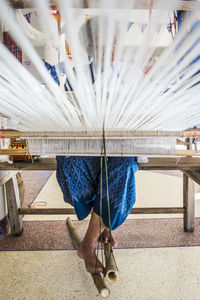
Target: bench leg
x=14 y=218
x=188 y=203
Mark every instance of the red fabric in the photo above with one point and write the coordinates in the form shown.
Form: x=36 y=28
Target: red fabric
x=12 y=46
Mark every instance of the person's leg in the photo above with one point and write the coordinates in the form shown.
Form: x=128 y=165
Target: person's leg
x=77 y=177
x=121 y=182
x=89 y=244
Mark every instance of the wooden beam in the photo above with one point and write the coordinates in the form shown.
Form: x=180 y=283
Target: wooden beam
x=155 y=163
x=188 y=153
x=14 y=218
x=115 y=134
x=4 y=133
x=13 y=151
x=98 y=134
x=189 y=203
x=193 y=174
x=71 y=211
x=137 y=4
x=171 y=163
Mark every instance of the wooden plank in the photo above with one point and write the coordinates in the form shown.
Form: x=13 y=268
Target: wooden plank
x=188 y=153
x=171 y=163
x=41 y=164
x=15 y=219
x=189 y=203
x=70 y=211
x=137 y=4
x=13 y=151
x=155 y=163
x=4 y=133
x=193 y=174
x=98 y=134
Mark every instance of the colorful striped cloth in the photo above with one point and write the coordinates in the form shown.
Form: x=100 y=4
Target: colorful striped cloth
x=12 y=46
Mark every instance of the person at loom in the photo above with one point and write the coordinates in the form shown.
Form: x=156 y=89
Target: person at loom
x=79 y=180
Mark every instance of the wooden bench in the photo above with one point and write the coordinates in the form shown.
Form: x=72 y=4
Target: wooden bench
x=190 y=166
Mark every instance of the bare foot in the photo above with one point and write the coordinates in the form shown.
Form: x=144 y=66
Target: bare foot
x=86 y=251
x=106 y=237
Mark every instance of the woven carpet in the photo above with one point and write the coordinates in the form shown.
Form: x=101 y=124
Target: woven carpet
x=54 y=235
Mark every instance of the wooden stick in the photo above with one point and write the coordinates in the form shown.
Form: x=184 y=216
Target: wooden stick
x=109 y=134
x=4 y=133
x=13 y=151
x=179 y=142
x=186 y=153
x=138 y=4
x=22 y=152
x=154 y=163
x=71 y=211
x=14 y=218
x=111 y=268
x=97 y=278
x=73 y=232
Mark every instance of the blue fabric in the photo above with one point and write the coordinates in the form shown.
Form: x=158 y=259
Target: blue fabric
x=79 y=179
x=52 y=70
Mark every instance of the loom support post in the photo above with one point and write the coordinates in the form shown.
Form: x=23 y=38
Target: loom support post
x=14 y=218
x=188 y=203
x=188 y=197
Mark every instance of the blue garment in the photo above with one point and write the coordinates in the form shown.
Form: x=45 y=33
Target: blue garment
x=52 y=70
x=79 y=179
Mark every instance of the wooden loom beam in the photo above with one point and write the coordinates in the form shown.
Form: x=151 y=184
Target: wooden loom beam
x=154 y=163
x=98 y=134
x=138 y=4
x=117 y=139
x=71 y=211
x=193 y=174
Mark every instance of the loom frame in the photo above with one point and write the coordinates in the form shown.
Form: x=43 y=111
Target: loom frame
x=190 y=167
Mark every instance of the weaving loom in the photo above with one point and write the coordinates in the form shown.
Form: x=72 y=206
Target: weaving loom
x=141 y=95
x=143 y=102
x=128 y=85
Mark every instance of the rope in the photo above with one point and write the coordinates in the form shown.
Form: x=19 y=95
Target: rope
x=107 y=190
x=100 y=235
x=108 y=199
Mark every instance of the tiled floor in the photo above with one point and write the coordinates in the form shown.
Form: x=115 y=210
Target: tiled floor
x=144 y=273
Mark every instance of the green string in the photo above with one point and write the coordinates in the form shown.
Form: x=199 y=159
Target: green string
x=108 y=202
x=107 y=190
x=101 y=180
x=100 y=235
x=108 y=199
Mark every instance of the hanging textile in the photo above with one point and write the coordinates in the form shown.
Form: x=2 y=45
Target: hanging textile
x=12 y=46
